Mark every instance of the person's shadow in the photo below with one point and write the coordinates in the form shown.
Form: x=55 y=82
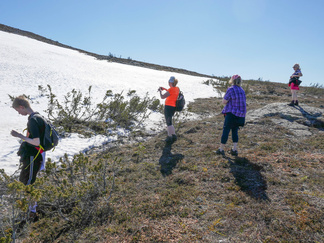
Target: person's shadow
x=249 y=178
x=168 y=160
x=312 y=118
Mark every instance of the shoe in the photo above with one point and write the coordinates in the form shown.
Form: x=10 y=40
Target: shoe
x=174 y=138
x=296 y=102
x=169 y=139
x=292 y=103
x=234 y=152
x=32 y=217
x=220 y=152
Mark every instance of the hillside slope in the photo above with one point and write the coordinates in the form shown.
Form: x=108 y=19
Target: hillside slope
x=271 y=192
x=29 y=67
x=98 y=56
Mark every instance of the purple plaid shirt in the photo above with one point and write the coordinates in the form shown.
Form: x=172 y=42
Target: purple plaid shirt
x=297 y=72
x=236 y=104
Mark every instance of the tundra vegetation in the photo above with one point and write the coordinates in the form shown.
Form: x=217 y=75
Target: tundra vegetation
x=271 y=192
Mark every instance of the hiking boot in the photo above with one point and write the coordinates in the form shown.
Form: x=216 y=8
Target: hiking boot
x=234 y=152
x=174 y=138
x=32 y=217
x=220 y=152
x=169 y=139
x=296 y=102
x=292 y=103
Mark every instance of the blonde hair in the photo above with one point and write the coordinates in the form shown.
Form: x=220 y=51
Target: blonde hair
x=297 y=65
x=235 y=80
x=20 y=101
x=175 y=82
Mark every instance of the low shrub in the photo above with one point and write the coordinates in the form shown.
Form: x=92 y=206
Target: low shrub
x=77 y=113
x=74 y=194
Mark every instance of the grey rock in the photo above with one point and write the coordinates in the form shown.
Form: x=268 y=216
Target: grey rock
x=298 y=119
x=297 y=129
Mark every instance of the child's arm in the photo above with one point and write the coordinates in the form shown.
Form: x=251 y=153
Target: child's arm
x=33 y=141
x=297 y=75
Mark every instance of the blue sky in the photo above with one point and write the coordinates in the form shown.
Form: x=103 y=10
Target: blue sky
x=253 y=38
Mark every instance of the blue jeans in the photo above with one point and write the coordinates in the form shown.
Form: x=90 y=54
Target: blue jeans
x=231 y=122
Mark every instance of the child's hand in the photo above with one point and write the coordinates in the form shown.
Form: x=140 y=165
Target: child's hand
x=15 y=134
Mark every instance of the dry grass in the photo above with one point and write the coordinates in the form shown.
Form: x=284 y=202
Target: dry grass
x=272 y=192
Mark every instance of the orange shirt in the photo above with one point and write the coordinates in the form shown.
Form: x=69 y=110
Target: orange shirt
x=172 y=98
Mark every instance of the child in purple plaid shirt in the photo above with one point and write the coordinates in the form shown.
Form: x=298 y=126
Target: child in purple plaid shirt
x=234 y=112
x=293 y=86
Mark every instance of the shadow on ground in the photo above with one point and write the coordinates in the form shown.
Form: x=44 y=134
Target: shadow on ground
x=168 y=160
x=249 y=178
x=312 y=118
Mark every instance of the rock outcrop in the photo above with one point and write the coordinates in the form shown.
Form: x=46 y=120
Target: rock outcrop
x=298 y=119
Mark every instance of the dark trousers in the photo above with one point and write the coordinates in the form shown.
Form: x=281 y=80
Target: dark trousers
x=30 y=168
x=168 y=113
x=233 y=123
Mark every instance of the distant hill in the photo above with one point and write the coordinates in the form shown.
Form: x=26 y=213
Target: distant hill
x=110 y=58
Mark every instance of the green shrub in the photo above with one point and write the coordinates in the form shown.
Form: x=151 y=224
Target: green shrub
x=76 y=193
x=78 y=113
